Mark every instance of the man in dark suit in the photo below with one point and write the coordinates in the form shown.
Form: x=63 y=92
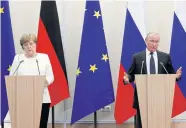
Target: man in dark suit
x=149 y=61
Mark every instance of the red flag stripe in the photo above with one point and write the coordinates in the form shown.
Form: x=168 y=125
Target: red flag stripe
x=124 y=100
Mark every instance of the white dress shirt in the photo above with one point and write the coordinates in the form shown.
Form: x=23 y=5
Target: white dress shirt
x=148 y=61
x=29 y=67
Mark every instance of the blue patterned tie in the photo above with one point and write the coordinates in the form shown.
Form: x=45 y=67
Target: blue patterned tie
x=152 y=64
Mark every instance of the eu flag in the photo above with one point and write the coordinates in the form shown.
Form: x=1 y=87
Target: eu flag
x=94 y=88
x=7 y=53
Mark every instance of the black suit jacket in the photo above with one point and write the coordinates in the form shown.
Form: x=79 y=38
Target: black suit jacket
x=136 y=66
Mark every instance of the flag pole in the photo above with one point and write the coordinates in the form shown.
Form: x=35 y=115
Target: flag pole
x=95 y=119
x=53 y=117
x=2 y=124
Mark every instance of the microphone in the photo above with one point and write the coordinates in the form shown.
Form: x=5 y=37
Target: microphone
x=141 y=66
x=18 y=66
x=38 y=66
x=164 y=67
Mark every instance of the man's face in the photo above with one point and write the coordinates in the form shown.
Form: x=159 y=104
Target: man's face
x=152 y=42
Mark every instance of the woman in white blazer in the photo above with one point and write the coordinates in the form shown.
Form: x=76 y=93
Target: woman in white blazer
x=32 y=63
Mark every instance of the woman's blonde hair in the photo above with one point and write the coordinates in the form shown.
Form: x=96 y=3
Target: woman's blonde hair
x=28 y=37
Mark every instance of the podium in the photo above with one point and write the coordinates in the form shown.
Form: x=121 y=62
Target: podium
x=25 y=96
x=155 y=96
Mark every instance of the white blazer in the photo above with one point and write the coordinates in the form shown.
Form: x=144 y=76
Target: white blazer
x=28 y=66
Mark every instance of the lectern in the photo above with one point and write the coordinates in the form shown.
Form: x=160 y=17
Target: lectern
x=25 y=95
x=155 y=95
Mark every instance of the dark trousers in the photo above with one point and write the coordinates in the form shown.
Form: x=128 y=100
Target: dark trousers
x=44 y=115
x=137 y=119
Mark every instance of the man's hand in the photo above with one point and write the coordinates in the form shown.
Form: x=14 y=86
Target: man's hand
x=179 y=73
x=126 y=78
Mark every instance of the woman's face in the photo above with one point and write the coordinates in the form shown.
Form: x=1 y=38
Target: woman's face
x=30 y=48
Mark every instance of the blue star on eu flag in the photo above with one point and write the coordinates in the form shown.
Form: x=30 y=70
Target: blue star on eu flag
x=104 y=57
x=2 y=10
x=97 y=14
x=78 y=71
x=9 y=68
x=93 y=68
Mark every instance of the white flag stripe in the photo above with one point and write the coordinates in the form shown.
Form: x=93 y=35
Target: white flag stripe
x=136 y=10
x=180 y=10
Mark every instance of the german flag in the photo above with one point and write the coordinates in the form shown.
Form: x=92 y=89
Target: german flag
x=50 y=42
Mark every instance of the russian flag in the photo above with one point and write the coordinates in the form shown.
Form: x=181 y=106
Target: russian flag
x=178 y=53
x=133 y=41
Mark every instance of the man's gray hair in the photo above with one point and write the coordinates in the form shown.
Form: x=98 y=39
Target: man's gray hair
x=150 y=33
